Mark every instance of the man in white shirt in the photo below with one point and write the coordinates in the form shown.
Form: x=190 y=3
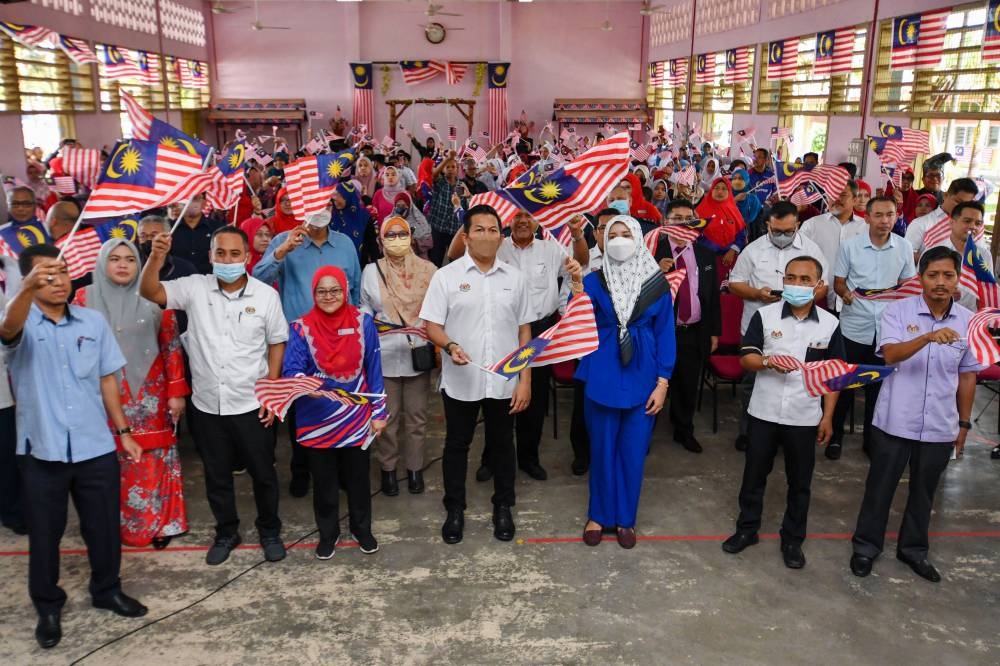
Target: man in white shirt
x=831 y=229
x=960 y=190
x=477 y=310
x=758 y=276
x=966 y=218
x=11 y=511
x=236 y=335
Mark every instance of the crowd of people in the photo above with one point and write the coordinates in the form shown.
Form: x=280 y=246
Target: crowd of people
x=176 y=329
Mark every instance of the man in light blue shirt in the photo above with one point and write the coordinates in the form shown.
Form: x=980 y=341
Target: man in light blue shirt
x=878 y=259
x=292 y=259
x=63 y=361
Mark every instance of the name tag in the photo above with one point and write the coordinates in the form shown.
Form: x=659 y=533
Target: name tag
x=345 y=331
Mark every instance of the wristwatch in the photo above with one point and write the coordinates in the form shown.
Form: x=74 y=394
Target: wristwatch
x=765 y=361
x=127 y=430
x=965 y=425
x=447 y=347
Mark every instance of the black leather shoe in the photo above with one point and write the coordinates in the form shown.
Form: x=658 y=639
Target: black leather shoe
x=121 y=604
x=861 y=565
x=223 y=545
x=793 y=556
x=922 y=568
x=688 y=442
x=535 y=471
x=48 y=631
x=739 y=541
x=503 y=523
x=453 y=526
x=299 y=485
x=994 y=454
x=833 y=450
x=484 y=473
x=390 y=485
x=415 y=481
x=579 y=467
x=741 y=443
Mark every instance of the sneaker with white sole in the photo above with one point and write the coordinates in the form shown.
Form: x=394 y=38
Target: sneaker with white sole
x=325 y=549
x=367 y=543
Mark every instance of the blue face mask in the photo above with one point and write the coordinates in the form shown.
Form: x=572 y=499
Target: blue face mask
x=229 y=273
x=620 y=205
x=797 y=295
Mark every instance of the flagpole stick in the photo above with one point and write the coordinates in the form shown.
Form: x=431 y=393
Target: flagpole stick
x=72 y=232
x=487 y=370
x=180 y=218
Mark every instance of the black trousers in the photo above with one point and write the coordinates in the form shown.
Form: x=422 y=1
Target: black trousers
x=858 y=353
x=299 y=465
x=578 y=435
x=749 y=379
x=219 y=440
x=528 y=424
x=11 y=512
x=326 y=467
x=460 y=426
x=799 y=444
x=94 y=485
x=889 y=456
x=685 y=378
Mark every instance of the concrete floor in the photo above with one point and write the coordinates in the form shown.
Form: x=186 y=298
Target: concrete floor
x=546 y=598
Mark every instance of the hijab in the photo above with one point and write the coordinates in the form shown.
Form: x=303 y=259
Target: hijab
x=250 y=227
x=134 y=321
x=751 y=206
x=641 y=208
x=390 y=191
x=280 y=222
x=336 y=340
x=661 y=205
x=708 y=178
x=726 y=220
x=353 y=218
x=425 y=172
x=862 y=185
x=403 y=281
x=419 y=226
x=368 y=182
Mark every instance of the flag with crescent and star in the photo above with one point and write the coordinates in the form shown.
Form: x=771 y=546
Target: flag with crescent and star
x=496 y=81
x=171 y=137
x=737 y=65
x=914 y=141
x=77 y=50
x=782 y=59
x=991 y=34
x=977 y=276
x=519 y=359
x=364 y=102
x=834 y=52
x=19 y=235
x=29 y=35
x=859 y=376
x=311 y=180
x=832 y=375
x=918 y=40
x=81 y=249
x=117 y=63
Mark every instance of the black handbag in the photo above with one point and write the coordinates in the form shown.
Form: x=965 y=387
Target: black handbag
x=422 y=356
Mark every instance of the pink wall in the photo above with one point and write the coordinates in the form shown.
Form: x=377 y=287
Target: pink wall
x=554 y=48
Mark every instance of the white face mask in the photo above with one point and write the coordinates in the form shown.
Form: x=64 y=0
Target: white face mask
x=620 y=248
x=319 y=219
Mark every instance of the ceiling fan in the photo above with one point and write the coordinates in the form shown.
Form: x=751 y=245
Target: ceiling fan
x=648 y=8
x=435 y=10
x=257 y=25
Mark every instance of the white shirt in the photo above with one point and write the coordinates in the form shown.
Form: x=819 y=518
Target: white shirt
x=919 y=226
x=11 y=276
x=227 y=339
x=761 y=264
x=969 y=299
x=397 y=361
x=829 y=233
x=481 y=312
x=541 y=264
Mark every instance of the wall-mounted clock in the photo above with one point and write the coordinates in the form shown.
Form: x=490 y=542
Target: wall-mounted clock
x=434 y=32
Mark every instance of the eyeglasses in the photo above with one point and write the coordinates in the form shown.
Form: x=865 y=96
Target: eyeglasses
x=679 y=218
x=393 y=235
x=329 y=293
x=22 y=203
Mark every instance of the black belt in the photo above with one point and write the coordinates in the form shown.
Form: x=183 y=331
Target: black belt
x=684 y=327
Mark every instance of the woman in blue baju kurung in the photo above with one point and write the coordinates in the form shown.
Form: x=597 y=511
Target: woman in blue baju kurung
x=626 y=377
x=339 y=343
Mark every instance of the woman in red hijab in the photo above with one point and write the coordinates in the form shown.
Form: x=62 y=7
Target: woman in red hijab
x=861 y=200
x=338 y=343
x=283 y=218
x=260 y=232
x=640 y=208
x=726 y=232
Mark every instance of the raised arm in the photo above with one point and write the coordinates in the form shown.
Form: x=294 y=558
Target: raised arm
x=18 y=308
x=150 y=286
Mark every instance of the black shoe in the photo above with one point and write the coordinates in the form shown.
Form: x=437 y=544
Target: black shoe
x=739 y=541
x=579 y=467
x=741 y=443
x=415 y=481
x=535 y=471
x=325 y=549
x=239 y=471
x=688 y=442
x=390 y=485
x=484 y=473
x=219 y=552
x=994 y=454
x=274 y=549
x=922 y=568
x=833 y=450
x=861 y=565
x=299 y=485
x=367 y=543
x=451 y=531
x=159 y=543
x=20 y=528
x=122 y=604
x=48 y=631
x=503 y=523
x=793 y=556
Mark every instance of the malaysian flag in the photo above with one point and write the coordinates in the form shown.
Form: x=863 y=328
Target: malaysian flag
x=140 y=118
x=474 y=149
x=117 y=63
x=937 y=233
x=418 y=71
x=455 y=71
x=918 y=40
x=782 y=59
x=991 y=33
x=675 y=279
x=893 y=174
x=80 y=249
x=834 y=52
x=905 y=289
x=914 y=141
x=364 y=101
x=227 y=177
x=806 y=195
x=149 y=65
x=822 y=377
x=18 y=237
x=704 y=69
x=682 y=233
x=981 y=342
x=562 y=235
x=638 y=152
x=6 y=250
x=496 y=79
x=963 y=154
x=311 y=180
x=512 y=364
x=685 y=176
x=452 y=133
x=83 y=164
x=430 y=128
x=139 y=175
x=29 y=35
x=199 y=77
x=277 y=395
x=578 y=187
x=737 y=65
x=77 y=50
x=974 y=266
x=781 y=133
x=830 y=177
x=572 y=337
x=888 y=151
x=678 y=72
x=657 y=70
x=66 y=184
x=389 y=328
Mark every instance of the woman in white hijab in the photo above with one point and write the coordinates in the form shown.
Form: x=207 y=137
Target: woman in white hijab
x=630 y=371
x=709 y=171
x=152 y=388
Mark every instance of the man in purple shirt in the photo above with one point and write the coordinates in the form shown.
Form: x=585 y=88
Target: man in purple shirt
x=922 y=412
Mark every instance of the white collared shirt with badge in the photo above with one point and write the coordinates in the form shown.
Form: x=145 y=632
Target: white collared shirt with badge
x=829 y=233
x=541 y=264
x=761 y=264
x=919 y=225
x=775 y=330
x=481 y=312
x=227 y=339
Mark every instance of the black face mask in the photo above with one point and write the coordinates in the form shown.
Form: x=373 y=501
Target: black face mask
x=146 y=248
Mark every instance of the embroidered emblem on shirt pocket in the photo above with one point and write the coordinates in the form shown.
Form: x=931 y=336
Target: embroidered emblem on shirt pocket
x=912 y=328
x=776 y=334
